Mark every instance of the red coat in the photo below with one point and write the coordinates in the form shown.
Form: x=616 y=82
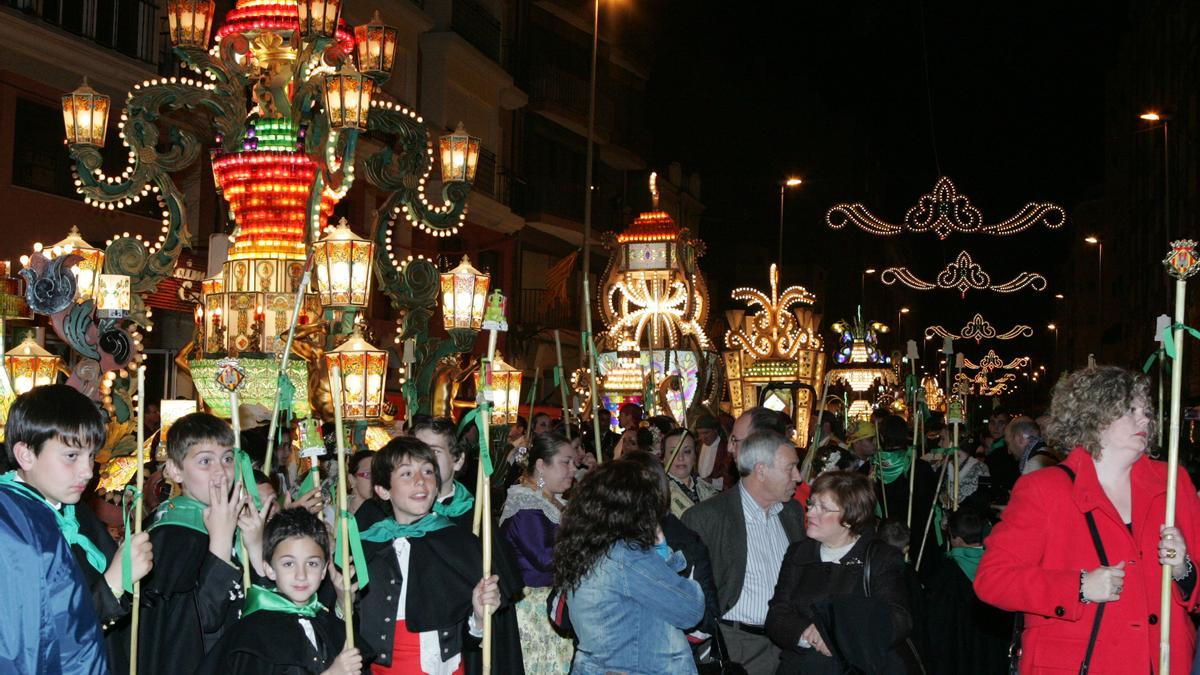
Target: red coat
x=1033 y=558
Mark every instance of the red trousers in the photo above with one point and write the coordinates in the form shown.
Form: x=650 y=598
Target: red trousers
x=406 y=654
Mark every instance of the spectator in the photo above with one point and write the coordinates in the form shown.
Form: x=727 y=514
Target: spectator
x=687 y=489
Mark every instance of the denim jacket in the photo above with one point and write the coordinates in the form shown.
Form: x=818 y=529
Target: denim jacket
x=630 y=613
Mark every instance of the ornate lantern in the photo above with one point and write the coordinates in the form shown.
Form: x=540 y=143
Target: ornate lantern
x=85 y=116
x=348 y=98
x=113 y=298
x=190 y=22
x=504 y=391
x=376 y=42
x=318 y=18
x=464 y=294
x=362 y=371
x=29 y=366
x=460 y=156
x=343 y=263
x=87 y=271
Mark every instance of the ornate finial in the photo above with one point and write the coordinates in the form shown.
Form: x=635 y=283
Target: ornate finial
x=654 y=189
x=1182 y=262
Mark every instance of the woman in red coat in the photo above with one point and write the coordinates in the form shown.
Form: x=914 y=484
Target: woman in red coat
x=1041 y=559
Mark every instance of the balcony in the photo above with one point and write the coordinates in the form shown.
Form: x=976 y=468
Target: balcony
x=491 y=179
x=125 y=26
x=477 y=26
x=563 y=97
x=534 y=310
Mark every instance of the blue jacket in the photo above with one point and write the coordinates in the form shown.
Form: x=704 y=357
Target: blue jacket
x=52 y=627
x=630 y=613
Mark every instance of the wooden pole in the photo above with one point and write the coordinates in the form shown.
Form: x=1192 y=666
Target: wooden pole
x=809 y=456
x=137 y=511
x=335 y=389
x=929 y=519
x=305 y=280
x=236 y=423
x=562 y=385
x=485 y=529
x=591 y=350
x=675 y=452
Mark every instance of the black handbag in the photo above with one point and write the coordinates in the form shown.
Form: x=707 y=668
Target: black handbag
x=908 y=650
x=721 y=664
x=1014 y=650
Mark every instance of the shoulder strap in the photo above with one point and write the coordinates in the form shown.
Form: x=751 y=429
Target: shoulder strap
x=1070 y=472
x=1099 y=544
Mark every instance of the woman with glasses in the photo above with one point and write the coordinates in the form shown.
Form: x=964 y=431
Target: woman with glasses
x=841 y=601
x=687 y=489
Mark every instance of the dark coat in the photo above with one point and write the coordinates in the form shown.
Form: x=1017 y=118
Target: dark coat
x=808 y=587
x=188 y=600
x=893 y=505
x=273 y=643
x=113 y=612
x=721 y=524
x=971 y=636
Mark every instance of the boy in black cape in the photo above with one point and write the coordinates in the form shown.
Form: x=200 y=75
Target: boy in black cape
x=195 y=590
x=286 y=630
x=424 y=596
x=53 y=433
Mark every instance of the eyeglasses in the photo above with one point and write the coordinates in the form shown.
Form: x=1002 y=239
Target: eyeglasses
x=820 y=508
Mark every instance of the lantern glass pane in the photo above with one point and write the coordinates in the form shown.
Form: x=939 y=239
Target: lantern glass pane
x=472 y=158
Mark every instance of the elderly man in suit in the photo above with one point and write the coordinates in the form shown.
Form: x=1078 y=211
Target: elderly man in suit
x=747 y=530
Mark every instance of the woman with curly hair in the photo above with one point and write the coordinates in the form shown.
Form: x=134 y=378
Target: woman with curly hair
x=628 y=605
x=1080 y=546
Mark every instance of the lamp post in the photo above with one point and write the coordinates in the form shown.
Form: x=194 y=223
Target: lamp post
x=862 y=282
x=1152 y=117
x=899 y=313
x=1095 y=241
x=1054 y=329
x=783 y=188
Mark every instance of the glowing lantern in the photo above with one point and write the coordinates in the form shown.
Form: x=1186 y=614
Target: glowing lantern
x=348 y=98
x=460 y=156
x=87 y=270
x=504 y=391
x=376 y=42
x=464 y=294
x=362 y=371
x=170 y=410
x=85 y=116
x=29 y=366
x=113 y=300
x=343 y=263
x=318 y=18
x=190 y=22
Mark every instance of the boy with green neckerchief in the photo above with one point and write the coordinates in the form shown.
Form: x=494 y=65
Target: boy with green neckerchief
x=286 y=628
x=195 y=590
x=53 y=433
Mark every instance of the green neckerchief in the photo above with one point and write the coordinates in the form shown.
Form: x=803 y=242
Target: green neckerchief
x=183 y=511
x=892 y=464
x=259 y=598
x=967 y=559
x=998 y=444
x=68 y=524
x=388 y=529
x=462 y=502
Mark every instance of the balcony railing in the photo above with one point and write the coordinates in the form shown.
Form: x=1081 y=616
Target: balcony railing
x=534 y=310
x=126 y=26
x=476 y=25
x=490 y=179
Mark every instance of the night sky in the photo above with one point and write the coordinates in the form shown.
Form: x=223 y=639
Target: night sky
x=747 y=93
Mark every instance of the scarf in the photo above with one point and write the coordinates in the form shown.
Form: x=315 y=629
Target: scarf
x=892 y=464
x=692 y=493
x=998 y=444
x=967 y=559
x=183 y=511
x=388 y=529
x=460 y=503
x=260 y=598
x=68 y=524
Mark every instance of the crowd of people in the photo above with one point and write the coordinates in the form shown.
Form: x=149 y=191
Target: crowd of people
x=1035 y=545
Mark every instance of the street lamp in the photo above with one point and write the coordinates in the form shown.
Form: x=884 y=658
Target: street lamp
x=1162 y=120
x=902 y=311
x=318 y=18
x=348 y=98
x=1054 y=329
x=1095 y=241
x=190 y=22
x=85 y=116
x=783 y=188
x=1059 y=296
x=376 y=44
x=343 y=262
x=460 y=156
x=862 y=282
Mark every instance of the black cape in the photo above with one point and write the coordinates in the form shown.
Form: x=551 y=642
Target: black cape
x=113 y=612
x=965 y=634
x=274 y=643
x=188 y=600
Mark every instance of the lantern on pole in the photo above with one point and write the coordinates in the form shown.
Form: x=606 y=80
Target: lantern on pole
x=113 y=298
x=504 y=392
x=343 y=262
x=87 y=271
x=460 y=156
x=190 y=22
x=464 y=295
x=348 y=98
x=376 y=43
x=85 y=116
x=362 y=370
x=318 y=18
x=30 y=365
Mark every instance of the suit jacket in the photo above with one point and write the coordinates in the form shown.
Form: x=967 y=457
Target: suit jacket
x=721 y=524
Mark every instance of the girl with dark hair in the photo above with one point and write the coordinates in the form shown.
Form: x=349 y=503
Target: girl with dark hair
x=628 y=605
x=529 y=524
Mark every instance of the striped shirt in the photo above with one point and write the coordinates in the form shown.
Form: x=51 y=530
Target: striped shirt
x=766 y=543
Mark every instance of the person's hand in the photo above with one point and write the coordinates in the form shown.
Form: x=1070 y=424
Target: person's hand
x=313 y=501
x=486 y=596
x=251 y=522
x=141 y=561
x=221 y=516
x=349 y=662
x=1104 y=584
x=813 y=637
x=1172 y=550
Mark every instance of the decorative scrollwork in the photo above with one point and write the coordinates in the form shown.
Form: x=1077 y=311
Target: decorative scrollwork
x=943 y=211
x=963 y=274
x=992 y=361
x=49 y=285
x=980 y=329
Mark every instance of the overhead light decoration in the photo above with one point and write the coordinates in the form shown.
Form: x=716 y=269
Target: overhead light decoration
x=980 y=384
x=944 y=211
x=980 y=329
x=992 y=361
x=935 y=397
x=963 y=274
x=858 y=361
